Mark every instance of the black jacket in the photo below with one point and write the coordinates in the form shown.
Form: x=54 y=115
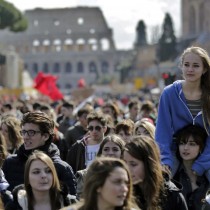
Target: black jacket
x=173 y=198
x=76 y=156
x=16 y=204
x=193 y=198
x=13 y=167
x=74 y=133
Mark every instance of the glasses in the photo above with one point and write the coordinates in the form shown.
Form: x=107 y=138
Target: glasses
x=29 y=132
x=97 y=128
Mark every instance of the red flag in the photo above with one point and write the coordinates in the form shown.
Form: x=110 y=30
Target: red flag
x=46 y=84
x=81 y=83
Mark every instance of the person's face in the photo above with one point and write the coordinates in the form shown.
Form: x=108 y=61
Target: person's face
x=189 y=150
x=141 y=131
x=111 y=149
x=36 y=139
x=108 y=110
x=134 y=111
x=4 y=130
x=192 y=67
x=136 y=168
x=115 y=189
x=40 y=176
x=126 y=136
x=67 y=112
x=96 y=131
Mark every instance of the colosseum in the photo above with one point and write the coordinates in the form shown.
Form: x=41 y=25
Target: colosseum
x=68 y=42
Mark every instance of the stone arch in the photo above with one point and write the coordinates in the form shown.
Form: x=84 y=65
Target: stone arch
x=68 y=44
x=93 y=44
x=104 y=67
x=56 y=67
x=46 y=45
x=36 y=43
x=80 y=44
x=35 y=68
x=105 y=44
x=68 y=67
x=92 y=67
x=57 y=45
x=45 y=67
x=80 y=67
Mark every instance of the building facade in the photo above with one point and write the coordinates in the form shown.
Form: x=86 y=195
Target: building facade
x=195 y=17
x=72 y=43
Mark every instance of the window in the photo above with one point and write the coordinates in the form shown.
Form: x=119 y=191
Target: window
x=36 y=22
x=45 y=68
x=105 y=45
x=68 y=86
x=56 y=22
x=80 y=67
x=80 y=21
x=92 y=67
x=104 y=67
x=25 y=66
x=56 y=67
x=36 y=43
x=68 y=67
x=68 y=31
x=35 y=67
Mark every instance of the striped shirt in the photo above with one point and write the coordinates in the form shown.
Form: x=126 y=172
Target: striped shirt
x=194 y=106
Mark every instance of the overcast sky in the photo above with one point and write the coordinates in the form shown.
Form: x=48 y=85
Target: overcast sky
x=121 y=15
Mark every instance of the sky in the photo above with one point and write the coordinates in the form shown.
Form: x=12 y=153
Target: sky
x=121 y=15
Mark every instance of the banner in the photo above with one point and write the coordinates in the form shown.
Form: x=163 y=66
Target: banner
x=46 y=84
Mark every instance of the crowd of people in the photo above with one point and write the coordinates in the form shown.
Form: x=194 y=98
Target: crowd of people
x=117 y=154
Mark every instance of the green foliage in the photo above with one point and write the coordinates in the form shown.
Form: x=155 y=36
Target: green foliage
x=167 y=42
x=141 y=34
x=11 y=17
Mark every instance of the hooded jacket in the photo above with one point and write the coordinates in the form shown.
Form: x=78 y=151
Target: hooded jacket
x=13 y=166
x=174 y=114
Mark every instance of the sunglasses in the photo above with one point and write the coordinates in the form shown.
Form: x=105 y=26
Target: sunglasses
x=97 y=128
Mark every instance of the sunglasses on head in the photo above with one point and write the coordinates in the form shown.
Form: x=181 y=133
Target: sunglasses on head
x=97 y=128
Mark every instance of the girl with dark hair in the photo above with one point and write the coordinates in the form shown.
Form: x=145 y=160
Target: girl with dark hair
x=191 y=142
x=107 y=186
x=153 y=189
x=186 y=102
x=111 y=146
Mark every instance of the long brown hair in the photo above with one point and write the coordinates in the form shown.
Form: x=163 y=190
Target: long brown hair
x=96 y=176
x=55 y=188
x=146 y=150
x=114 y=139
x=205 y=80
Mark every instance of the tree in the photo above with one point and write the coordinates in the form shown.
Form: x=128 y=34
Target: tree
x=141 y=39
x=11 y=17
x=155 y=34
x=167 y=42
